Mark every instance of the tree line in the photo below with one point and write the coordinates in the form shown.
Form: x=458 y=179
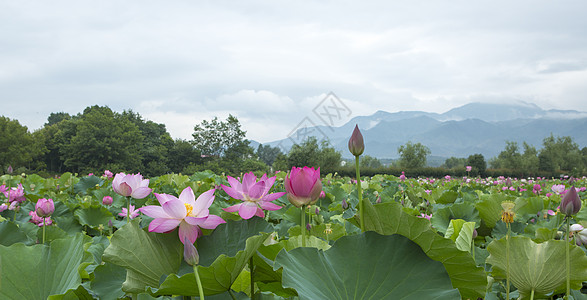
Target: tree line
x=99 y=139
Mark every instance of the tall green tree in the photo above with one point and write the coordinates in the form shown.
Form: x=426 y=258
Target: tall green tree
x=455 y=162
x=100 y=138
x=18 y=147
x=368 y=161
x=413 y=155
x=267 y=153
x=310 y=153
x=183 y=155
x=529 y=159
x=215 y=138
x=477 y=163
x=560 y=153
x=510 y=158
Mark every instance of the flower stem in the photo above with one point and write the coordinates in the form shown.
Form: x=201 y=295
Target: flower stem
x=360 y=194
x=251 y=267
x=303 y=226
x=200 y=289
x=507 y=260
x=568 y=260
x=44 y=224
x=128 y=211
x=231 y=295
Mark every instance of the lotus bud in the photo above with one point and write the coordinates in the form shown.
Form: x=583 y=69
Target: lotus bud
x=322 y=195
x=571 y=203
x=356 y=143
x=190 y=254
x=107 y=200
x=308 y=226
x=110 y=224
x=468 y=168
x=44 y=207
x=303 y=186
x=345 y=205
x=9 y=169
x=475 y=233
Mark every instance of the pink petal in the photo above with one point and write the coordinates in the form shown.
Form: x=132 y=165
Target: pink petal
x=154 y=211
x=235 y=184
x=187 y=196
x=233 y=208
x=141 y=192
x=188 y=232
x=124 y=189
x=211 y=222
x=269 y=183
x=273 y=196
x=164 y=198
x=163 y=225
x=134 y=181
x=256 y=190
x=248 y=180
x=269 y=206
x=175 y=209
x=247 y=210
x=232 y=192
x=260 y=213
x=203 y=203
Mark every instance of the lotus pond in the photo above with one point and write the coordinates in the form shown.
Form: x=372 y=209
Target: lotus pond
x=446 y=238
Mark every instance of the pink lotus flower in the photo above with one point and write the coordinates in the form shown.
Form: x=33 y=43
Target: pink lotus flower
x=15 y=194
x=468 y=168
x=3 y=207
x=253 y=193
x=186 y=212
x=425 y=216
x=133 y=212
x=108 y=174
x=131 y=185
x=303 y=186
x=44 y=207
x=403 y=176
x=558 y=188
x=35 y=219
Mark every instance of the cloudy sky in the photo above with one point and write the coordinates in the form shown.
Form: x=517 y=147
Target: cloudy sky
x=270 y=63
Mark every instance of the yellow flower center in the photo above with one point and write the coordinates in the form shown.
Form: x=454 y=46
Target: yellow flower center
x=189 y=209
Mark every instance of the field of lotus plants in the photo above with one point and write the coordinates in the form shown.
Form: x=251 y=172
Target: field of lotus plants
x=291 y=235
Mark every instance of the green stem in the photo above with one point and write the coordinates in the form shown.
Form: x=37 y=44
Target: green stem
x=360 y=193
x=251 y=268
x=303 y=226
x=532 y=295
x=507 y=261
x=568 y=260
x=128 y=211
x=200 y=289
x=44 y=225
x=231 y=295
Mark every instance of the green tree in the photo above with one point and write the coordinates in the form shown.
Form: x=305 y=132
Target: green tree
x=55 y=118
x=510 y=158
x=310 y=154
x=370 y=162
x=529 y=160
x=18 y=147
x=215 y=137
x=413 y=155
x=267 y=153
x=477 y=163
x=183 y=155
x=455 y=162
x=155 y=145
x=100 y=138
x=560 y=153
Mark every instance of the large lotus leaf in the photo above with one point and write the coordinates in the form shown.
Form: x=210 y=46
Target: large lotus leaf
x=538 y=267
x=490 y=208
x=223 y=255
x=36 y=272
x=94 y=216
x=365 y=266
x=108 y=280
x=86 y=183
x=145 y=255
x=389 y=218
x=10 y=234
x=461 y=233
x=528 y=207
x=466 y=211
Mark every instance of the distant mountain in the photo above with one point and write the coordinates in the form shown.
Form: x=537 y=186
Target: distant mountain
x=462 y=131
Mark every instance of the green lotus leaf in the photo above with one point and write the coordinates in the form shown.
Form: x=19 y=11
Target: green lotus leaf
x=461 y=233
x=39 y=271
x=538 y=267
x=146 y=256
x=223 y=256
x=86 y=183
x=490 y=208
x=108 y=280
x=365 y=266
x=11 y=234
x=51 y=233
x=94 y=216
x=388 y=218
x=466 y=211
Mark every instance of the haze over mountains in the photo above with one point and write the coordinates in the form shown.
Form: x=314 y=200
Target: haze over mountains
x=462 y=131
